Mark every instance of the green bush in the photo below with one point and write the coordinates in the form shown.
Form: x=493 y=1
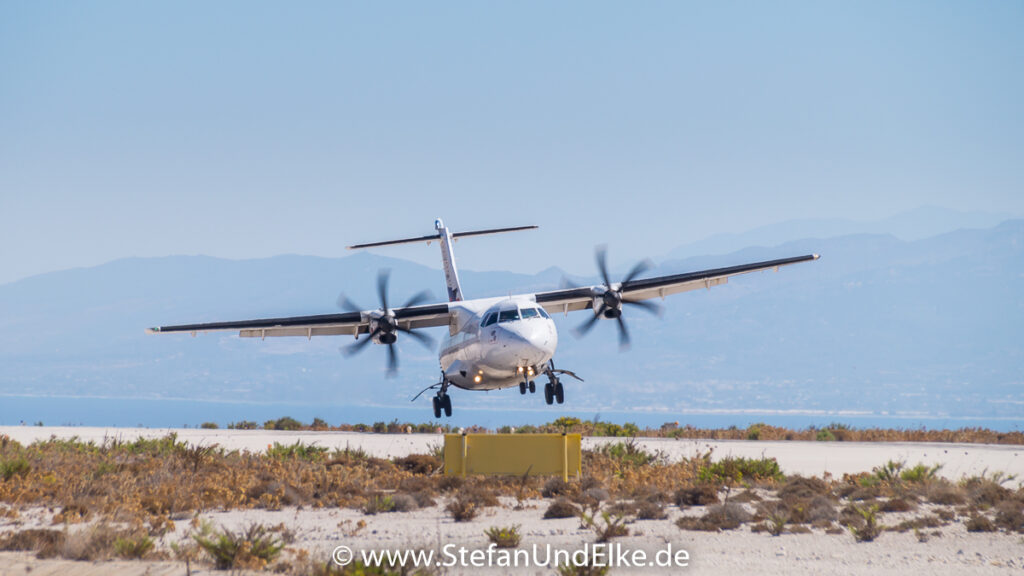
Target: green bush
x=308 y=452
x=738 y=469
x=133 y=548
x=286 y=423
x=825 y=435
x=14 y=467
x=504 y=537
x=254 y=547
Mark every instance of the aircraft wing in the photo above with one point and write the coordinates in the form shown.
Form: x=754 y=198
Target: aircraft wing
x=351 y=323
x=582 y=298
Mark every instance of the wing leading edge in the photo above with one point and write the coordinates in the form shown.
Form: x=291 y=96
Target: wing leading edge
x=582 y=298
x=351 y=323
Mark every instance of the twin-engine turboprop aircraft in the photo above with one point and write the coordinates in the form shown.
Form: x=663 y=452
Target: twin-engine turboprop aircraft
x=492 y=343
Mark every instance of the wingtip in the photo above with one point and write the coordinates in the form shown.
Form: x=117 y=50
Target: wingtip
x=153 y=330
x=815 y=256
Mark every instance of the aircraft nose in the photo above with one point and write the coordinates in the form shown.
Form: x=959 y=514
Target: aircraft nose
x=531 y=339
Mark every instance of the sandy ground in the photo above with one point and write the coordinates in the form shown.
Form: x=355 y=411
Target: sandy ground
x=949 y=550
x=805 y=458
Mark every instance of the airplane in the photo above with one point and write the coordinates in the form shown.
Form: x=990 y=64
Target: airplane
x=492 y=343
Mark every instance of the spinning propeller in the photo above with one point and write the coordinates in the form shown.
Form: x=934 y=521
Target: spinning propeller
x=384 y=327
x=608 y=303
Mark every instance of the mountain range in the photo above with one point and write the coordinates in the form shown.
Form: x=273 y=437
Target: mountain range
x=879 y=325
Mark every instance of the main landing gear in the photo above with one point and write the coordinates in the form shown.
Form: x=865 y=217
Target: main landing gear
x=442 y=401
x=553 y=390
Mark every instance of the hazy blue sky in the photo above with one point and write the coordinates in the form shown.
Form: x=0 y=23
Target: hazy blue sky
x=246 y=129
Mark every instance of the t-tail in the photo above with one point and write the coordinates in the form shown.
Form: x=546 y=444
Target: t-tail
x=446 y=238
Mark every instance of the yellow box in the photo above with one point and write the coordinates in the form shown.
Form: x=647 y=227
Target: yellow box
x=513 y=454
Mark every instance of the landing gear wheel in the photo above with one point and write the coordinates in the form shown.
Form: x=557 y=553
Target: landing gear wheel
x=559 y=393
x=533 y=386
x=522 y=387
x=446 y=403
x=437 y=407
x=549 y=393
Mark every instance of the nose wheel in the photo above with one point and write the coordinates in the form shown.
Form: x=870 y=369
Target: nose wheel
x=524 y=386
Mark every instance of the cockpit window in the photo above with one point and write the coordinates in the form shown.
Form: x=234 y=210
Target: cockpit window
x=508 y=315
x=543 y=313
x=529 y=313
x=490 y=318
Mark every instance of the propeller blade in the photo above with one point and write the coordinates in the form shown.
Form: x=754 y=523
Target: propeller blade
x=623 y=334
x=582 y=329
x=424 y=339
x=640 y=268
x=417 y=298
x=601 y=255
x=382 y=287
x=359 y=345
x=347 y=305
x=651 y=307
x=392 y=360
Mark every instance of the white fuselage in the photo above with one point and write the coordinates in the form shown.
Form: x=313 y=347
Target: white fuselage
x=497 y=343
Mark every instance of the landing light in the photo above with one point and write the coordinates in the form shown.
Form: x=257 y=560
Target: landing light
x=476 y=378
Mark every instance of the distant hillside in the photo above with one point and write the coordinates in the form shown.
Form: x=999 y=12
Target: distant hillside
x=878 y=325
x=917 y=224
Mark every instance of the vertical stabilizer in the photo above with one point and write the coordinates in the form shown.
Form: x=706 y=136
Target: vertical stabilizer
x=447 y=240
x=451 y=275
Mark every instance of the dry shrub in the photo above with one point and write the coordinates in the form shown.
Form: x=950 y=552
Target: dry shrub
x=462 y=509
x=945 y=493
x=556 y=487
x=650 y=510
x=928 y=521
x=718 y=517
x=980 y=523
x=985 y=492
x=747 y=496
x=45 y=543
x=699 y=495
x=419 y=464
x=622 y=508
x=561 y=508
x=479 y=494
x=1010 y=515
x=897 y=505
x=450 y=483
x=406 y=502
x=799 y=487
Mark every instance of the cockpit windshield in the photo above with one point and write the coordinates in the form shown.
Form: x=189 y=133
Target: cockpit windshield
x=508 y=315
x=529 y=313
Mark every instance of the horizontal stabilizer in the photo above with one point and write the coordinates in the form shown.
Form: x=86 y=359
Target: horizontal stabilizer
x=433 y=237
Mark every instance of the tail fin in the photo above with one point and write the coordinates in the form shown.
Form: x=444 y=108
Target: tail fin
x=446 y=239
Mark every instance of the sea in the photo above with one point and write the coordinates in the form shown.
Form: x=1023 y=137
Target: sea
x=183 y=413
